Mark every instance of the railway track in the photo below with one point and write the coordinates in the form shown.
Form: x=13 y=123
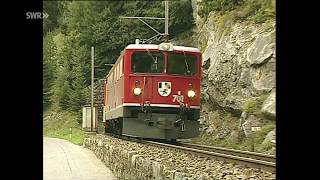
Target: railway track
x=246 y=158
x=234 y=152
x=249 y=159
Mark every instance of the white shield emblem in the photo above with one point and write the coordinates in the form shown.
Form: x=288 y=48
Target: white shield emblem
x=164 y=88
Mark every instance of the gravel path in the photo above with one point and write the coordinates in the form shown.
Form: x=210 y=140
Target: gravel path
x=66 y=161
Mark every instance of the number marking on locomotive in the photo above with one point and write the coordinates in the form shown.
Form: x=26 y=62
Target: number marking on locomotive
x=177 y=98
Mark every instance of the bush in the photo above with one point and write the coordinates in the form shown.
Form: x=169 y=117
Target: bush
x=260 y=10
x=206 y=6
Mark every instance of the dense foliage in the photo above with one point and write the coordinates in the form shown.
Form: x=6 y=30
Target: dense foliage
x=217 y=5
x=258 y=10
x=74 y=26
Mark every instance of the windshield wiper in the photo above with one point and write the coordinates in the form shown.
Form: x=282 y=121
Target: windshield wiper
x=154 y=60
x=150 y=55
x=185 y=61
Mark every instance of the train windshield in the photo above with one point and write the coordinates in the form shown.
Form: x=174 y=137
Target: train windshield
x=184 y=64
x=147 y=62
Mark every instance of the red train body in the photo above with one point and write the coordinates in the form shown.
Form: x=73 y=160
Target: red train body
x=153 y=91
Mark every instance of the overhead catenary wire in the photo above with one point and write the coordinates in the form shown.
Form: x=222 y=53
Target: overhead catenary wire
x=166 y=18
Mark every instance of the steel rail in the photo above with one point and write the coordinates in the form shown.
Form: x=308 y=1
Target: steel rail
x=249 y=162
x=248 y=154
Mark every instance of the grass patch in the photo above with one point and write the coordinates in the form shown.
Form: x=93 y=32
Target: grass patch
x=57 y=124
x=205 y=139
x=253 y=105
x=225 y=23
x=260 y=135
x=259 y=138
x=203 y=44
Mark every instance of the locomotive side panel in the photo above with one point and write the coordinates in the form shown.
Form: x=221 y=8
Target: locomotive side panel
x=115 y=91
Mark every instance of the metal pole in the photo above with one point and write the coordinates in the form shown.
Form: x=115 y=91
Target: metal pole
x=70 y=134
x=252 y=141
x=166 y=10
x=92 y=80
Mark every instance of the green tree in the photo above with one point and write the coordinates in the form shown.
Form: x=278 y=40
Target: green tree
x=49 y=60
x=50 y=23
x=47 y=84
x=61 y=89
x=78 y=82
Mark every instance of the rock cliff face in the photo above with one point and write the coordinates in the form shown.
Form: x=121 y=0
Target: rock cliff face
x=239 y=63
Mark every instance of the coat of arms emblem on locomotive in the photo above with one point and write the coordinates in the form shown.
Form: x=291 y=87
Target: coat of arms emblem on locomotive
x=164 y=88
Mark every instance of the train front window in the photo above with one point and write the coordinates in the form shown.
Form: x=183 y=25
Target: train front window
x=182 y=64
x=147 y=62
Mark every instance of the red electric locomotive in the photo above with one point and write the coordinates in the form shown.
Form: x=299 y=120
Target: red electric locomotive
x=153 y=91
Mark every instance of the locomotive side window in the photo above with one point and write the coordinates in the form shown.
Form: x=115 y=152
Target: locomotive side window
x=147 y=62
x=185 y=64
x=117 y=72
x=121 y=67
x=112 y=79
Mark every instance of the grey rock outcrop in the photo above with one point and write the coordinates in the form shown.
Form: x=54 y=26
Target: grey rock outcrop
x=238 y=73
x=270 y=137
x=234 y=136
x=269 y=106
x=260 y=50
x=237 y=64
x=251 y=121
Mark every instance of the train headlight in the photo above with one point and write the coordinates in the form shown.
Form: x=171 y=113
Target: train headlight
x=137 y=91
x=166 y=47
x=191 y=93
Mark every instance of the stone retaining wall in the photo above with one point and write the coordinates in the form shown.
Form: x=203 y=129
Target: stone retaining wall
x=127 y=164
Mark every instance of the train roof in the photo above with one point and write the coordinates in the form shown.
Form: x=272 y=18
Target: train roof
x=155 y=46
